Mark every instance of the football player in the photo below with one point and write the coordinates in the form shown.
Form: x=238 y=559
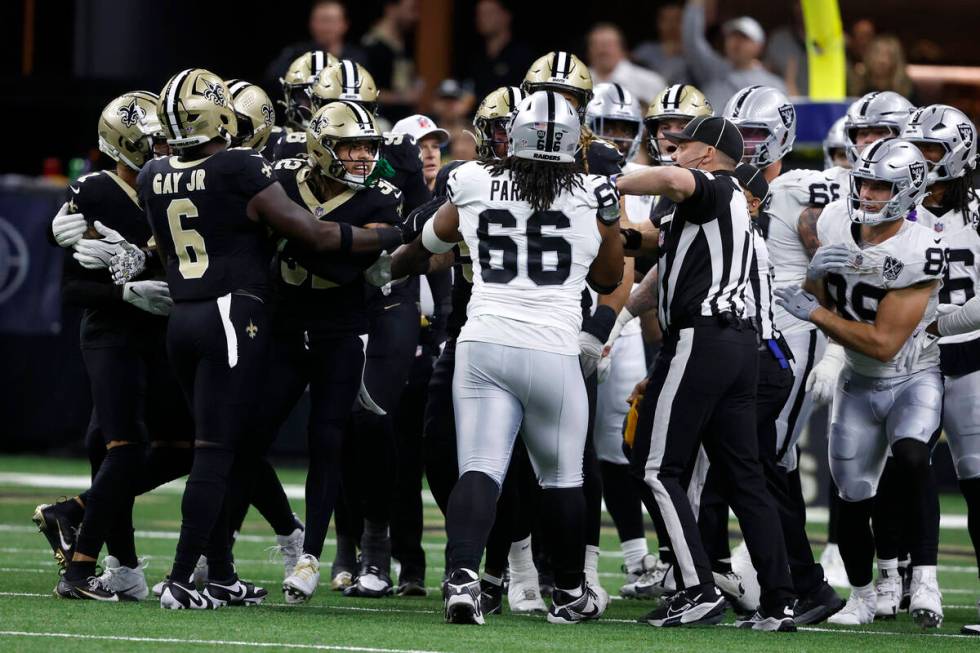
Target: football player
x=135 y=395
x=835 y=146
x=255 y=116
x=509 y=293
x=767 y=121
x=947 y=139
x=297 y=104
x=614 y=114
x=210 y=208
x=877 y=278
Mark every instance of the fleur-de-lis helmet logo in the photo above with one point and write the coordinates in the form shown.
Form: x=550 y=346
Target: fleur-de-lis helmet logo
x=131 y=114
x=268 y=115
x=215 y=92
x=318 y=124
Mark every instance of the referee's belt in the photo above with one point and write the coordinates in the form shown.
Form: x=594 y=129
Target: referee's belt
x=726 y=320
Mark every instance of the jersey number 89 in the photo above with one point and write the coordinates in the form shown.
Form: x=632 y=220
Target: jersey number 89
x=537 y=245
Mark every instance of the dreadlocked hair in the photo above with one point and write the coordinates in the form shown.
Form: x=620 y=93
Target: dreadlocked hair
x=960 y=193
x=539 y=183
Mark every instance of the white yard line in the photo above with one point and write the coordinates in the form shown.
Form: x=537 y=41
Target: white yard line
x=213 y=642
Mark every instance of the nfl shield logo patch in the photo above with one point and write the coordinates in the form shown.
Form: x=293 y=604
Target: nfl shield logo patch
x=938 y=227
x=891 y=268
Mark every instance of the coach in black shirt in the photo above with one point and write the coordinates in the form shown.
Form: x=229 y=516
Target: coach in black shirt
x=702 y=388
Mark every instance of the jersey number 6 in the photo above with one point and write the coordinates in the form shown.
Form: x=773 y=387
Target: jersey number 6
x=188 y=243
x=537 y=245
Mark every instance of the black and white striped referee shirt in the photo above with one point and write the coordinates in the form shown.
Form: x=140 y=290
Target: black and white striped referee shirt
x=705 y=251
x=758 y=292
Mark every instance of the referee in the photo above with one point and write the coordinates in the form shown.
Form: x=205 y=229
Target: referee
x=702 y=389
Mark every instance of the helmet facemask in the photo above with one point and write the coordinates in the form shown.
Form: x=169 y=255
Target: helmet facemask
x=624 y=134
x=355 y=173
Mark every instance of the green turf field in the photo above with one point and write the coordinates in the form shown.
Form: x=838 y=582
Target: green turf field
x=31 y=619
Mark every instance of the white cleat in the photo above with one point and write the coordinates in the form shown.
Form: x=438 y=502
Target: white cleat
x=926 y=604
x=290 y=547
x=657 y=581
x=833 y=566
x=752 y=592
x=733 y=589
x=859 y=610
x=301 y=584
x=628 y=589
x=601 y=595
x=127 y=581
x=523 y=593
x=888 y=589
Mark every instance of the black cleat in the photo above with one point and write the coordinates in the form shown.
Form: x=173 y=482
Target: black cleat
x=567 y=609
x=491 y=597
x=697 y=606
x=52 y=520
x=92 y=588
x=184 y=596
x=461 y=598
x=905 y=572
x=372 y=582
x=817 y=606
x=411 y=587
x=234 y=592
x=778 y=621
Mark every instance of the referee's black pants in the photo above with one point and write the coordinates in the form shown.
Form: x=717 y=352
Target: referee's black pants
x=702 y=391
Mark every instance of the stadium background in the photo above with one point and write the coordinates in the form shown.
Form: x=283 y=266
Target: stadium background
x=62 y=60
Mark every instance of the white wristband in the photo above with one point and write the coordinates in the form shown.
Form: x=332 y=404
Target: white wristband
x=624 y=318
x=432 y=242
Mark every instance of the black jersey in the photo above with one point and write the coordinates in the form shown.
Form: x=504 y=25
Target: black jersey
x=403 y=155
x=324 y=293
x=107 y=320
x=198 y=212
x=288 y=144
x=602 y=157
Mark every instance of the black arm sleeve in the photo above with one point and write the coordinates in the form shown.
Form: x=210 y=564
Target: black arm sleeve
x=440 y=283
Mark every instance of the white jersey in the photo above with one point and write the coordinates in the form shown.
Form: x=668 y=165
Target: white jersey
x=961 y=280
x=912 y=256
x=789 y=194
x=638 y=207
x=530 y=267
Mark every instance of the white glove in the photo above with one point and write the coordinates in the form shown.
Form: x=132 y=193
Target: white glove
x=796 y=301
x=150 y=296
x=962 y=319
x=624 y=318
x=127 y=264
x=590 y=351
x=96 y=254
x=823 y=377
x=827 y=259
x=379 y=274
x=919 y=342
x=604 y=369
x=68 y=228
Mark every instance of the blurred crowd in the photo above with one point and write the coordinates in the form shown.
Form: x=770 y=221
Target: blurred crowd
x=691 y=45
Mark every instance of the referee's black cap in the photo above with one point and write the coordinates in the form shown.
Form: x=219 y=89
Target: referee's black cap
x=715 y=131
x=752 y=180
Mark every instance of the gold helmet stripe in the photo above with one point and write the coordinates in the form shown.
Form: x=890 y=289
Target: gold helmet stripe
x=172 y=94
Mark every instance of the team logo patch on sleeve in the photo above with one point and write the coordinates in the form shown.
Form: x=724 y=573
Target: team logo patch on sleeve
x=892 y=268
x=917 y=172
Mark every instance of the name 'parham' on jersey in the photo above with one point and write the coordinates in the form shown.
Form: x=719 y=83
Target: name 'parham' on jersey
x=529 y=267
x=912 y=256
x=789 y=194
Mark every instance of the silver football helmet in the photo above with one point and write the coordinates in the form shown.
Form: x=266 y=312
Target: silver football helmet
x=545 y=127
x=614 y=104
x=891 y=160
x=834 y=140
x=949 y=127
x=876 y=109
x=767 y=120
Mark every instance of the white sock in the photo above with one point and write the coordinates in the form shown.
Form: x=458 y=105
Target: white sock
x=591 y=559
x=887 y=568
x=924 y=573
x=633 y=553
x=867 y=590
x=575 y=592
x=521 y=558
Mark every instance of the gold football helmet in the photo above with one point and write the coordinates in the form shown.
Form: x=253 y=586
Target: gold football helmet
x=345 y=80
x=253 y=113
x=492 y=116
x=680 y=101
x=562 y=72
x=340 y=122
x=123 y=134
x=297 y=82
x=195 y=108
